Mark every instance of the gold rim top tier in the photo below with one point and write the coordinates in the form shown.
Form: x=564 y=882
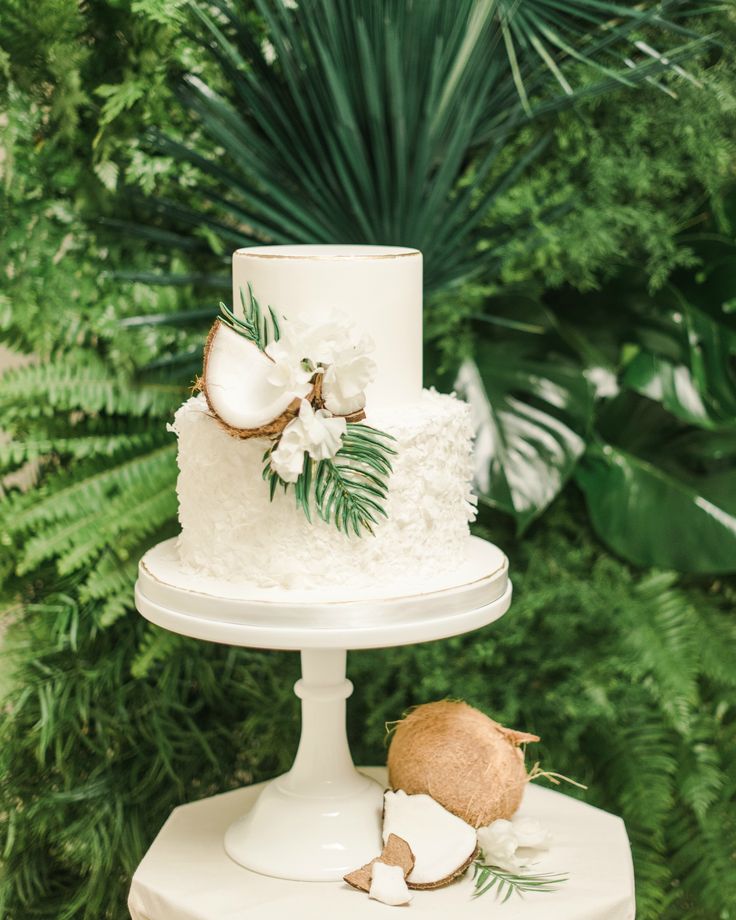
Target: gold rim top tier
x=348 y=251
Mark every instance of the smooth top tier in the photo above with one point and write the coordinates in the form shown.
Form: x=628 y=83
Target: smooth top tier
x=379 y=288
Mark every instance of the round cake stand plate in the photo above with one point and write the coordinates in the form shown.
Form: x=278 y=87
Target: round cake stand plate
x=379 y=616
x=186 y=874
x=322 y=818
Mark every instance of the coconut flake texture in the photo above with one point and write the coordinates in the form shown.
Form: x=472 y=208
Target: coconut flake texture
x=443 y=845
x=230 y=529
x=464 y=760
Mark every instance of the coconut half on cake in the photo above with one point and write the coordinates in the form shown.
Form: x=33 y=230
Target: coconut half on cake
x=237 y=389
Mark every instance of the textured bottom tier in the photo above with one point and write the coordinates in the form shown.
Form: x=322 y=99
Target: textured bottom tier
x=231 y=529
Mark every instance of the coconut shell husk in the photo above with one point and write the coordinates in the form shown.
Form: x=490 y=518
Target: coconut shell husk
x=471 y=765
x=396 y=852
x=444 y=882
x=318 y=402
x=273 y=428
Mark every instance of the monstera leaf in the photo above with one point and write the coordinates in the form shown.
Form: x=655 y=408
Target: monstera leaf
x=532 y=418
x=697 y=381
x=660 y=475
x=660 y=493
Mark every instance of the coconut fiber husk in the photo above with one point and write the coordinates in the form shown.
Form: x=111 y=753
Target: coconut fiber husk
x=470 y=764
x=318 y=402
x=396 y=852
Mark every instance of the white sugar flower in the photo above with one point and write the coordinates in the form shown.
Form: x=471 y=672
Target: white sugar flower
x=322 y=433
x=498 y=843
x=530 y=834
x=287 y=460
x=332 y=341
x=334 y=345
x=287 y=371
x=316 y=433
x=343 y=387
x=513 y=845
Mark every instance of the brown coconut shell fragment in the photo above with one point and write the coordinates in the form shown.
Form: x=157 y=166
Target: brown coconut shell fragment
x=471 y=765
x=444 y=882
x=396 y=852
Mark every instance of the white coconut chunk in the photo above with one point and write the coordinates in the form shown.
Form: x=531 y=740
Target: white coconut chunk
x=236 y=382
x=388 y=885
x=442 y=844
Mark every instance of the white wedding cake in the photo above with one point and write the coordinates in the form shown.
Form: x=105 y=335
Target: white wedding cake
x=278 y=485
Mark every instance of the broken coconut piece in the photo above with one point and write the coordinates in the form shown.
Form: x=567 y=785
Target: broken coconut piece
x=462 y=758
x=388 y=885
x=443 y=844
x=236 y=386
x=396 y=852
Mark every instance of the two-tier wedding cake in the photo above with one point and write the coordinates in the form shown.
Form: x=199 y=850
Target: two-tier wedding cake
x=313 y=457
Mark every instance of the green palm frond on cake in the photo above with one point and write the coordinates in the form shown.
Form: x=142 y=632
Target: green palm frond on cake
x=348 y=490
x=255 y=325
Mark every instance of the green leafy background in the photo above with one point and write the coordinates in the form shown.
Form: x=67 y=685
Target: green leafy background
x=577 y=218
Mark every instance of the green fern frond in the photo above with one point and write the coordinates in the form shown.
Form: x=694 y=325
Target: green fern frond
x=15 y=453
x=66 y=497
x=157 y=645
x=121 y=521
x=72 y=384
x=664 y=638
x=701 y=769
x=115 y=607
x=108 y=578
x=702 y=855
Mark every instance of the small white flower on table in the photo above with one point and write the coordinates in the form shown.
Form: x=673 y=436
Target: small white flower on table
x=513 y=845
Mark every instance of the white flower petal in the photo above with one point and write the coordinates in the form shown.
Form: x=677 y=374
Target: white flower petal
x=498 y=843
x=531 y=834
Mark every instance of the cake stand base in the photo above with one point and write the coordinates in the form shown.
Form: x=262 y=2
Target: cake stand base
x=186 y=874
x=287 y=835
x=322 y=818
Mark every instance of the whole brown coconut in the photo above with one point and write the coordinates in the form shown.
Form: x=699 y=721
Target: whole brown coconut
x=468 y=763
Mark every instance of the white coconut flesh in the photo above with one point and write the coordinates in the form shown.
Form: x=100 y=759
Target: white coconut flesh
x=442 y=843
x=388 y=885
x=236 y=382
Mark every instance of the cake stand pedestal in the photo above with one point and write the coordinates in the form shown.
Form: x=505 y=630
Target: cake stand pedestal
x=323 y=817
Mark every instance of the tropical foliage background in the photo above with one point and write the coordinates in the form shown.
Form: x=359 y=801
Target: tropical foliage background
x=568 y=170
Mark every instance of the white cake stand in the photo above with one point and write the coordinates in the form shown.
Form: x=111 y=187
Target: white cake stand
x=323 y=817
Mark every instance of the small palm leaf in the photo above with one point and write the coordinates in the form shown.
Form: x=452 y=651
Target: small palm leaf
x=506 y=884
x=256 y=326
x=348 y=490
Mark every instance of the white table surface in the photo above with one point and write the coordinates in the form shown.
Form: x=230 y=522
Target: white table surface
x=186 y=874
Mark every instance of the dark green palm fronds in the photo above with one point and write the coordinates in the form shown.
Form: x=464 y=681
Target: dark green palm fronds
x=378 y=122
